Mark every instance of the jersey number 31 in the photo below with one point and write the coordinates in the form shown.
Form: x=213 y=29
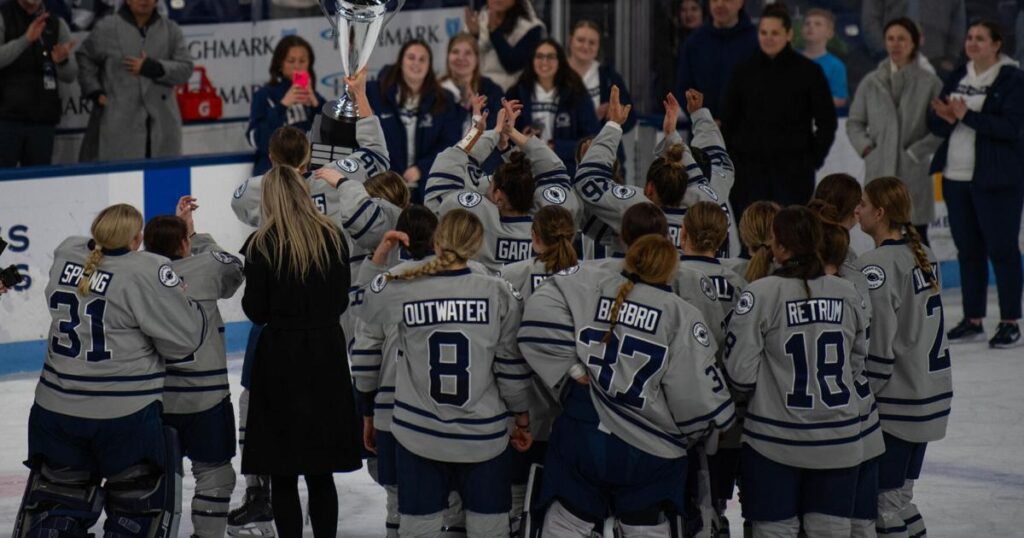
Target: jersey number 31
x=67 y=329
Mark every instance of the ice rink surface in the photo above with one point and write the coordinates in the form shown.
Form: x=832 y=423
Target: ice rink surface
x=972 y=484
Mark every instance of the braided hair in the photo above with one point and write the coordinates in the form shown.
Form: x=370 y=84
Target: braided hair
x=457 y=238
x=890 y=194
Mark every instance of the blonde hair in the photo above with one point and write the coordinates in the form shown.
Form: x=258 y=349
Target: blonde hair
x=114 y=227
x=467 y=38
x=555 y=227
x=890 y=194
x=293 y=227
x=389 y=186
x=458 y=237
x=651 y=259
x=706 y=226
x=755 y=231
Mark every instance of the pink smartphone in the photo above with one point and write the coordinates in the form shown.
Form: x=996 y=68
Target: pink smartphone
x=301 y=79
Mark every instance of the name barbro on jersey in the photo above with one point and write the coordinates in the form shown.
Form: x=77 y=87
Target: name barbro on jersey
x=809 y=311
x=633 y=315
x=436 y=311
x=72 y=274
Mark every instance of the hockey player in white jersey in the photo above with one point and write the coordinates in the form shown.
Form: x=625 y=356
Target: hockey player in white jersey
x=646 y=387
x=197 y=402
x=755 y=230
x=553 y=234
x=459 y=378
x=96 y=416
x=908 y=362
x=797 y=342
x=529 y=179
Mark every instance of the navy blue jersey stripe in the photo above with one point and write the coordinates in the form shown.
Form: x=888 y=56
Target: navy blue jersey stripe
x=471 y=421
x=614 y=407
x=881 y=360
x=210 y=388
x=112 y=393
x=908 y=418
x=551 y=341
x=212 y=499
x=500 y=375
x=373 y=218
x=706 y=417
x=876 y=376
x=204 y=373
x=908 y=401
x=367 y=352
x=435 y=188
x=547 y=325
x=499 y=360
x=447 y=435
x=103 y=379
x=808 y=426
x=813 y=442
x=351 y=220
x=386 y=389
x=366 y=368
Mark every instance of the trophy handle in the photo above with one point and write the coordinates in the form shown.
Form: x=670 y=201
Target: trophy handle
x=330 y=17
x=401 y=4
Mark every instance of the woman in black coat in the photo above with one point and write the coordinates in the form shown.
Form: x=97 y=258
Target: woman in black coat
x=301 y=418
x=778 y=118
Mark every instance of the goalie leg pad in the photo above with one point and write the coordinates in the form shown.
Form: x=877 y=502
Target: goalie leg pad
x=144 y=500
x=59 y=502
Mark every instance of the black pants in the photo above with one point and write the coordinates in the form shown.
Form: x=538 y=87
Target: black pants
x=24 y=143
x=323 y=505
x=786 y=182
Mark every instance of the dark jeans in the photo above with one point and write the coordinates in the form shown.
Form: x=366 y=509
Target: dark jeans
x=986 y=226
x=28 y=144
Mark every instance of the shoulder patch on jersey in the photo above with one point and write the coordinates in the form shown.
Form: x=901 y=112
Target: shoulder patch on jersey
x=379 y=282
x=623 y=192
x=745 y=303
x=241 y=188
x=875 y=276
x=513 y=290
x=555 y=195
x=225 y=258
x=701 y=333
x=708 y=288
x=706 y=189
x=470 y=199
x=569 y=270
x=168 y=277
x=348 y=165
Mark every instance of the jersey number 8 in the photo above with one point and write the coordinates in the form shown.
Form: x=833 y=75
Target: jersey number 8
x=95 y=309
x=449 y=371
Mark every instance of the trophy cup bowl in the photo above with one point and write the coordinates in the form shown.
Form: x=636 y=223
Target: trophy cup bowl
x=357 y=25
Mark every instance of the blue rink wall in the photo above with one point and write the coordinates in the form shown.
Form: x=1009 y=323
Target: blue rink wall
x=40 y=207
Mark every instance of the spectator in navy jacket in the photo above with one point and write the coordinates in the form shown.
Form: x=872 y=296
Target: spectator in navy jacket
x=712 y=52
x=280 y=102
x=980 y=114
x=463 y=80
x=556 y=107
x=508 y=31
x=420 y=119
x=598 y=78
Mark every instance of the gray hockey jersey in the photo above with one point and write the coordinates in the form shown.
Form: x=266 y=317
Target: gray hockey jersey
x=909 y=359
x=728 y=285
x=654 y=384
x=690 y=285
x=460 y=373
x=103 y=352
x=799 y=355
x=200 y=381
x=375 y=353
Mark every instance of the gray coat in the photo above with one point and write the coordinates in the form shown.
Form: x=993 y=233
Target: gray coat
x=889 y=113
x=132 y=99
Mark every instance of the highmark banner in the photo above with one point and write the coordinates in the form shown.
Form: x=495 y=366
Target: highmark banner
x=237 y=55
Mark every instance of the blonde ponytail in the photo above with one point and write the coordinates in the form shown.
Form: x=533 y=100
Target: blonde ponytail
x=458 y=237
x=920 y=256
x=91 y=264
x=555 y=227
x=114 y=227
x=890 y=194
x=651 y=259
x=755 y=231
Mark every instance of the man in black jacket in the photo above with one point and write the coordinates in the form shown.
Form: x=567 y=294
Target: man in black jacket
x=35 y=52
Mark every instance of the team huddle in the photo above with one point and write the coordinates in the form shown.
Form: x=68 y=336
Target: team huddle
x=531 y=352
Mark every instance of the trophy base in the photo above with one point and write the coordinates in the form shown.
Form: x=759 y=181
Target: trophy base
x=337 y=139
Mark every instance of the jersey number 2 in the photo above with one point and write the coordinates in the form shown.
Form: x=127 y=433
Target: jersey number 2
x=828 y=373
x=937 y=360
x=95 y=309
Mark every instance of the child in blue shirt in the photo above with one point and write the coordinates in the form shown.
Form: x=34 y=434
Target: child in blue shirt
x=818 y=29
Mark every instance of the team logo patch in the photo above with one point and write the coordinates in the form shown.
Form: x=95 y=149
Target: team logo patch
x=241 y=189
x=168 y=277
x=379 y=282
x=225 y=258
x=555 y=195
x=708 y=288
x=562 y=120
x=348 y=165
x=569 y=270
x=875 y=276
x=745 y=303
x=513 y=290
x=706 y=189
x=470 y=199
x=700 y=332
x=623 y=192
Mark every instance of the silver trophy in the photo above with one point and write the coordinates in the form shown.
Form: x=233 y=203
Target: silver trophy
x=357 y=24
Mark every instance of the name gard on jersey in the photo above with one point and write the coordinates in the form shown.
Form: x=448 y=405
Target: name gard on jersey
x=510 y=250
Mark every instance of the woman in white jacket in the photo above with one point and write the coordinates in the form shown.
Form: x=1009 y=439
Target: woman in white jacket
x=507 y=32
x=888 y=120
